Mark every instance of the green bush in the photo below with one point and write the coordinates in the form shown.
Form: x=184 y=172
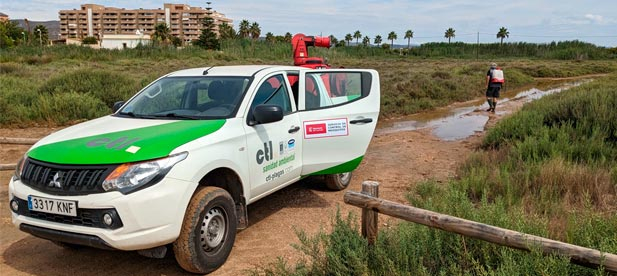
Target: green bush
x=108 y=87
x=70 y=107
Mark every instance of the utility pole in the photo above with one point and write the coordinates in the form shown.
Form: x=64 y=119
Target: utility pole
x=40 y=37
x=478 y=45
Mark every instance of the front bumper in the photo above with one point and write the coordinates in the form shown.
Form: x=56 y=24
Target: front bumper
x=148 y=218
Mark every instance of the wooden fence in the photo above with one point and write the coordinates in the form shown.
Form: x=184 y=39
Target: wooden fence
x=17 y=141
x=371 y=205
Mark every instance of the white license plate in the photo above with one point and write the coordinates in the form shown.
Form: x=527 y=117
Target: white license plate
x=52 y=206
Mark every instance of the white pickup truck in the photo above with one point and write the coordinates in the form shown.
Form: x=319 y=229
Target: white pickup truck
x=180 y=161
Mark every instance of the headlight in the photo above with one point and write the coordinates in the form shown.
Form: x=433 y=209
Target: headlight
x=130 y=177
x=18 y=168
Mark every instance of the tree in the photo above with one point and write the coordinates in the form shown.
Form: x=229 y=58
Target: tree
x=357 y=35
x=10 y=34
x=255 y=30
x=161 y=33
x=377 y=40
x=503 y=33
x=348 y=38
x=449 y=34
x=392 y=36
x=333 y=40
x=41 y=38
x=226 y=31
x=408 y=36
x=89 y=40
x=244 y=28
x=208 y=38
x=270 y=37
x=287 y=37
x=366 y=41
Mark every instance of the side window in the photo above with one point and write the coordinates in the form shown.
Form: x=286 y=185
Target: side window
x=273 y=91
x=334 y=88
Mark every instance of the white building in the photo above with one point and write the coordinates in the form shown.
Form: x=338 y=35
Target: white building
x=123 y=41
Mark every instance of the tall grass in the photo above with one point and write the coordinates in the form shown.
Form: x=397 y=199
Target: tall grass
x=408 y=84
x=549 y=170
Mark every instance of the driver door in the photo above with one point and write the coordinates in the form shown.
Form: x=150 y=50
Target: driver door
x=275 y=149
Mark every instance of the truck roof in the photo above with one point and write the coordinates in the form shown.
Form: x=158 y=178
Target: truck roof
x=233 y=70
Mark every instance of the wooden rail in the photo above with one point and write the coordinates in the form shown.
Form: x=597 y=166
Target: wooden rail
x=7 y=167
x=18 y=141
x=577 y=254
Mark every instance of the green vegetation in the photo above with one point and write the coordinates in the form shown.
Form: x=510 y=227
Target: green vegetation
x=100 y=77
x=548 y=170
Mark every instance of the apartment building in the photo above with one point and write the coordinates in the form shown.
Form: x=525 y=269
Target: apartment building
x=184 y=21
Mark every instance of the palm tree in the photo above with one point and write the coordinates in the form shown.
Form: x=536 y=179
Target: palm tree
x=333 y=40
x=449 y=34
x=255 y=30
x=161 y=33
x=348 y=38
x=503 y=33
x=408 y=36
x=42 y=36
x=366 y=40
x=226 y=31
x=244 y=29
x=357 y=35
x=377 y=40
x=392 y=36
x=270 y=37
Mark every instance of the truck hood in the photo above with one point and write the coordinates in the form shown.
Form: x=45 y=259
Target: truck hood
x=114 y=140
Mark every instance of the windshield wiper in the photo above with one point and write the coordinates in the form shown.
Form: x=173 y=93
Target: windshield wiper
x=133 y=115
x=174 y=115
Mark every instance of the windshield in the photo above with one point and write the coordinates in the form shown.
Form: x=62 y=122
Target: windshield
x=188 y=98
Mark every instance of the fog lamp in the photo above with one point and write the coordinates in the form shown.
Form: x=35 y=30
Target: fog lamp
x=108 y=219
x=14 y=205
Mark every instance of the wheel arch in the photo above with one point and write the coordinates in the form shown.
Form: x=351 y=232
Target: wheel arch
x=230 y=181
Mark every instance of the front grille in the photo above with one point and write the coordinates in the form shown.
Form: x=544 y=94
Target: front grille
x=85 y=217
x=59 y=179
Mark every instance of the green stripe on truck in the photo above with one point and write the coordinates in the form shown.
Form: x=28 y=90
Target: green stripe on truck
x=126 y=146
x=342 y=168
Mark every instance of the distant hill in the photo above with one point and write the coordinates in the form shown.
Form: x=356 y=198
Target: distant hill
x=53 y=27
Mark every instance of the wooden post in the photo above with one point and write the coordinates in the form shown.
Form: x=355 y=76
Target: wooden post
x=577 y=254
x=7 y=167
x=369 y=217
x=19 y=141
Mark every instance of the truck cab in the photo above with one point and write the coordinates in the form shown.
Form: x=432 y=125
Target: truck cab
x=179 y=162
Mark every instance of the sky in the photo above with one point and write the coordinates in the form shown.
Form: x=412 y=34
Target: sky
x=540 y=21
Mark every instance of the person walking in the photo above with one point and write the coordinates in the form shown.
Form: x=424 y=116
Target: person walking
x=494 y=81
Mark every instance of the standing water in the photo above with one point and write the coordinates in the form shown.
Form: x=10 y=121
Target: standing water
x=462 y=120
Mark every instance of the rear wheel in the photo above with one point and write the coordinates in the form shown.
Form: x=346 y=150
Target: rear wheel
x=339 y=181
x=208 y=231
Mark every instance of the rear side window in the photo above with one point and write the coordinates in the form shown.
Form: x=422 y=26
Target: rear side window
x=334 y=88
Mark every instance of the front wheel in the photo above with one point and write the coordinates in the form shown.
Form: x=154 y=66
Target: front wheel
x=339 y=181
x=208 y=231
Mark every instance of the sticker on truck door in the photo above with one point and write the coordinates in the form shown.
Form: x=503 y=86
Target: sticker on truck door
x=325 y=128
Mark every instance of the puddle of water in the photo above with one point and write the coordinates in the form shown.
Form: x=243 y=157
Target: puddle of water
x=457 y=122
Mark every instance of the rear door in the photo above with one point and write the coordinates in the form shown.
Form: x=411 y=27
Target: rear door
x=338 y=111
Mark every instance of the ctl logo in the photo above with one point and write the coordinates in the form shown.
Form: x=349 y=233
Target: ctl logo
x=266 y=153
x=117 y=144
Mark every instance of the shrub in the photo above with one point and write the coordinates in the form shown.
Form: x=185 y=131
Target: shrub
x=89 y=40
x=108 y=87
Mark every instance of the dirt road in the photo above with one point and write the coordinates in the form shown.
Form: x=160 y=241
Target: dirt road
x=396 y=160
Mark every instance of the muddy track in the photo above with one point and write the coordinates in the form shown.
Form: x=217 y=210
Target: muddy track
x=397 y=160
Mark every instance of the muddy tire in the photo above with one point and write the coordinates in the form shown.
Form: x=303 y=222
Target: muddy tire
x=208 y=231
x=339 y=181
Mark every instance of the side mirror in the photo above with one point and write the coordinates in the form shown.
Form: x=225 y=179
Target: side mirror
x=117 y=106
x=266 y=113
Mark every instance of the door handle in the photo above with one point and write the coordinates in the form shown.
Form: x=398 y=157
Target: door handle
x=294 y=129
x=361 y=121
